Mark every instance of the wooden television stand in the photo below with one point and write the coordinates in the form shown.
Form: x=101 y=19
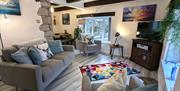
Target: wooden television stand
x=146 y=53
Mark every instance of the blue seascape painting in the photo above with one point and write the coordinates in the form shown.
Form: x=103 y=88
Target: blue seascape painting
x=11 y=7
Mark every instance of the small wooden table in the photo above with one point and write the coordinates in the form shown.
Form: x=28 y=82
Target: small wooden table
x=113 y=47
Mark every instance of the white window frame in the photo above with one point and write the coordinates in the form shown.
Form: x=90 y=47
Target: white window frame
x=109 y=32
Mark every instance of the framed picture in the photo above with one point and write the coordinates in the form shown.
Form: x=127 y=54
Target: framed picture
x=140 y=13
x=66 y=19
x=11 y=7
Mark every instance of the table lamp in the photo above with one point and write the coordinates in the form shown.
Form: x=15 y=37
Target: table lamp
x=117 y=34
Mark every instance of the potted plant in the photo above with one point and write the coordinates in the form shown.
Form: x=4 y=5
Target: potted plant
x=77 y=33
x=170 y=26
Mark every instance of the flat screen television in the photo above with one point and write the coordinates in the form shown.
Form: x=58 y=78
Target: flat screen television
x=149 y=30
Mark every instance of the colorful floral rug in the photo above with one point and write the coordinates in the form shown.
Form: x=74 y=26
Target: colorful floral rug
x=105 y=71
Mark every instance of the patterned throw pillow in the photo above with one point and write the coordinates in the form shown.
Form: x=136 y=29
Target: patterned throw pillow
x=43 y=55
x=39 y=53
x=44 y=51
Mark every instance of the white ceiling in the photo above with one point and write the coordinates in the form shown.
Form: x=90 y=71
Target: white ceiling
x=78 y=5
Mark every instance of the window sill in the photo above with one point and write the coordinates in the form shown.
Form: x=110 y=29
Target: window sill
x=106 y=42
x=167 y=69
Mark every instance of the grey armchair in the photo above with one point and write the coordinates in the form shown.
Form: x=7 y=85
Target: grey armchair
x=86 y=48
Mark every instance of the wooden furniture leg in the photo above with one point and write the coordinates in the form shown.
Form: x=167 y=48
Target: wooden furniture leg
x=112 y=53
x=16 y=89
x=122 y=52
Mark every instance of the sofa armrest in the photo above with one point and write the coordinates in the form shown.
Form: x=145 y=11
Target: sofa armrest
x=68 y=48
x=92 y=47
x=86 y=83
x=25 y=76
x=98 y=42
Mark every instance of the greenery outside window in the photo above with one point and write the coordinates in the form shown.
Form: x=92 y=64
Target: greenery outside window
x=98 y=27
x=172 y=58
x=173 y=51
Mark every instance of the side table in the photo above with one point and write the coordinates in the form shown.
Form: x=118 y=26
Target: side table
x=113 y=47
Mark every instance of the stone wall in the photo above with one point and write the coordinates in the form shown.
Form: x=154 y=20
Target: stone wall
x=45 y=13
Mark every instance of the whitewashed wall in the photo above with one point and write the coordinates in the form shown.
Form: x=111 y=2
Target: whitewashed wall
x=126 y=29
x=24 y=27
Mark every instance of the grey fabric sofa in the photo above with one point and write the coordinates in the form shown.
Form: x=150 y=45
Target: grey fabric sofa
x=34 y=77
x=86 y=48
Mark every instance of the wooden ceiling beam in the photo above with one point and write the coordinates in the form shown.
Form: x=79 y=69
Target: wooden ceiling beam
x=72 y=1
x=89 y=4
x=103 y=2
x=54 y=4
x=96 y=14
x=63 y=8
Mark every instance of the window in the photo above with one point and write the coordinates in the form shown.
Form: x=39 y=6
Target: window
x=171 y=64
x=173 y=51
x=98 y=27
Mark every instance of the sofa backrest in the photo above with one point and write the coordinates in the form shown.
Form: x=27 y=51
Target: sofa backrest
x=6 y=53
x=30 y=43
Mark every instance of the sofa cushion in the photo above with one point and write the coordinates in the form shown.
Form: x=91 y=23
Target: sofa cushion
x=135 y=82
x=35 y=55
x=45 y=48
x=151 y=87
x=43 y=55
x=21 y=56
x=51 y=68
x=93 y=47
x=67 y=57
x=6 y=53
x=55 y=46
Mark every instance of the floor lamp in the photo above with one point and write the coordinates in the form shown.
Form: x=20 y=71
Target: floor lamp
x=1 y=41
x=6 y=20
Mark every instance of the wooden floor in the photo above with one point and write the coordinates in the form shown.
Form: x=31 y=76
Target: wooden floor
x=71 y=79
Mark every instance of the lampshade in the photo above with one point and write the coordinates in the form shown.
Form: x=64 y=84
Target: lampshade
x=137 y=33
x=52 y=10
x=117 y=34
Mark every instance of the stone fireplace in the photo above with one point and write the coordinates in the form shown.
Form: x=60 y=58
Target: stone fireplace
x=45 y=13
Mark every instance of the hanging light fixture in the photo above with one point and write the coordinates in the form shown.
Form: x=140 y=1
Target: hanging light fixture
x=52 y=9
